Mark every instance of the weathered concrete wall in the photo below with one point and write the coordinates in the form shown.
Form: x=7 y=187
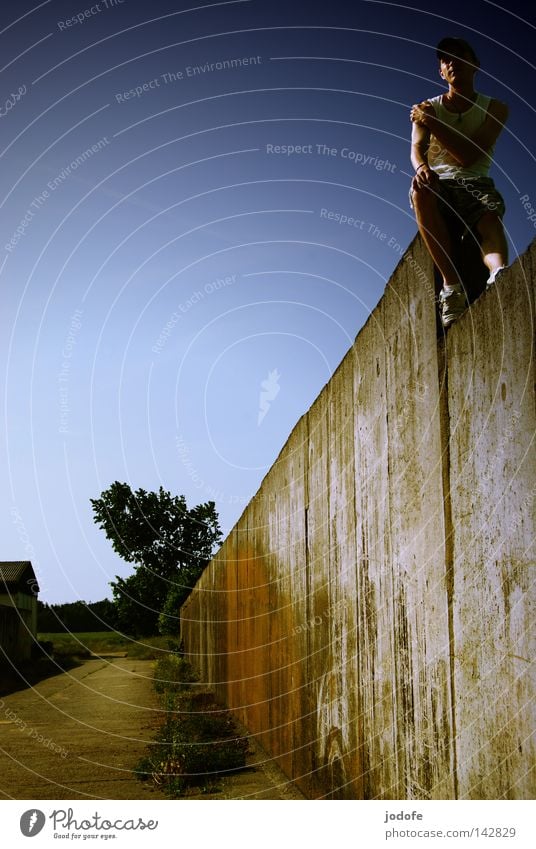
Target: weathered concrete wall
x=491 y=378
x=368 y=617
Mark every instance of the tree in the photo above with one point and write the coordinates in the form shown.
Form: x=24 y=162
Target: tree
x=169 y=544
x=76 y=616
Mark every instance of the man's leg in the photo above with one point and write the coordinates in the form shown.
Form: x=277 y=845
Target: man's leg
x=493 y=244
x=433 y=230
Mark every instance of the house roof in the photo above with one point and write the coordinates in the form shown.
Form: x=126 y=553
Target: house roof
x=18 y=574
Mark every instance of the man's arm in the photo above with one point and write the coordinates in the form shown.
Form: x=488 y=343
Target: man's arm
x=464 y=149
x=420 y=141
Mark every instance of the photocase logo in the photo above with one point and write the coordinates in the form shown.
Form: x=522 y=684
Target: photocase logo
x=31 y=822
x=269 y=391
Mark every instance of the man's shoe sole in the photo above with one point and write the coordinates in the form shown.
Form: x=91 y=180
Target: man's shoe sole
x=452 y=307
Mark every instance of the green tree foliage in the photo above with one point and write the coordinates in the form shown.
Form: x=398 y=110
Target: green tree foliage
x=76 y=616
x=170 y=546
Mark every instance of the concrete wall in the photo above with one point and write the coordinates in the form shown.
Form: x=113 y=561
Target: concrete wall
x=368 y=618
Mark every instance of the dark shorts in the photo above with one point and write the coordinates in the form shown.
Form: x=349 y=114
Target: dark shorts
x=468 y=199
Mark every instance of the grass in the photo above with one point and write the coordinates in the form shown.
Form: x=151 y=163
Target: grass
x=83 y=645
x=198 y=743
x=61 y=652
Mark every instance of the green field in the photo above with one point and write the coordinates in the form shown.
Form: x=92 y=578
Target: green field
x=103 y=642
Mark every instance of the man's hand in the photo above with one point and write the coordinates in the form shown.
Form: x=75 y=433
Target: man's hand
x=424 y=178
x=420 y=112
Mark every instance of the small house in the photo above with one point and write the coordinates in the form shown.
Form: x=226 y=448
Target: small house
x=18 y=610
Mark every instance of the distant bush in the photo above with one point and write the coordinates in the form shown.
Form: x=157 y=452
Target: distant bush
x=41 y=649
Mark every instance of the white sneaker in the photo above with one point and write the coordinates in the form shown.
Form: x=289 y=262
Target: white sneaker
x=494 y=275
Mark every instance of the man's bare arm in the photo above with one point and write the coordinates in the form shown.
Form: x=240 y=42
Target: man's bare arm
x=464 y=149
x=420 y=141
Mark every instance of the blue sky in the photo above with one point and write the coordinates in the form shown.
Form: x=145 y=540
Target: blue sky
x=201 y=204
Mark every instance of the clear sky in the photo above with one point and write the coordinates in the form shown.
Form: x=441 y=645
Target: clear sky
x=178 y=280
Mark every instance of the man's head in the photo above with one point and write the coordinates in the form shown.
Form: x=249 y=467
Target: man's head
x=456 y=48
x=456 y=59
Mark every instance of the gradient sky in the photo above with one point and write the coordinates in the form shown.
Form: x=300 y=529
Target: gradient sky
x=163 y=262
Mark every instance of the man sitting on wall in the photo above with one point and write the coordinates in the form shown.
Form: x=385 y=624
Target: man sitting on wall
x=452 y=142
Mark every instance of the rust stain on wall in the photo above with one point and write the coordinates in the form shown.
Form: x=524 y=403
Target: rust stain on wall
x=374 y=642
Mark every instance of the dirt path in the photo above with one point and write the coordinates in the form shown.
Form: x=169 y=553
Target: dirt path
x=79 y=734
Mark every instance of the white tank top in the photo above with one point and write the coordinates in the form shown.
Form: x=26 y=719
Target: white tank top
x=439 y=159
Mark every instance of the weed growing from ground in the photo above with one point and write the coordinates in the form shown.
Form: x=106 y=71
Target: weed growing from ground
x=198 y=744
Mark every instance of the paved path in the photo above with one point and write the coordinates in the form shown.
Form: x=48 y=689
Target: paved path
x=94 y=724
x=79 y=734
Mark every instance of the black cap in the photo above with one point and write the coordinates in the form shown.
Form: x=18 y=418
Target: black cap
x=448 y=47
